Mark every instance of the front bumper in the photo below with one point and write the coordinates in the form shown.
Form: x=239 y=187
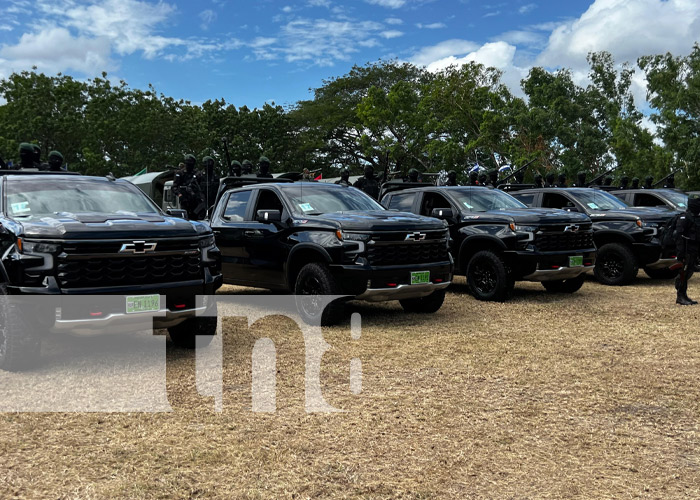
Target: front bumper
x=401 y=292
x=380 y=283
x=122 y=322
x=646 y=253
x=663 y=263
x=560 y=273
x=549 y=266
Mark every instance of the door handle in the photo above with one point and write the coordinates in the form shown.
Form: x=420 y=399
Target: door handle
x=252 y=233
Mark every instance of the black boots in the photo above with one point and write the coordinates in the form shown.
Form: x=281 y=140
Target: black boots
x=683 y=299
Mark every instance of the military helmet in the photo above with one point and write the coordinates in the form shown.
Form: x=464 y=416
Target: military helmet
x=247 y=162
x=264 y=159
x=56 y=154
x=190 y=159
x=26 y=147
x=206 y=159
x=236 y=163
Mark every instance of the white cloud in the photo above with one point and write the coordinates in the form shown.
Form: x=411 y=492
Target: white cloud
x=492 y=14
x=322 y=41
x=390 y=4
x=627 y=29
x=527 y=8
x=432 y=26
x=522 y=37
x=207 y=17
x=56 y=50
x=319 y=3
x=454 y=47
x=389 y=34
x=395 y=21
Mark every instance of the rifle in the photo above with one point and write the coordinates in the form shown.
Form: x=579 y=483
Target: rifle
x=662 y=181
x=516 y=172
x=596 y=179
x=228 y=157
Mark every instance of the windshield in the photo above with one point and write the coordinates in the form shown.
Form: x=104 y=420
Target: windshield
x=678 y=199
x=482 y=200
x=595 y=199
x=307 y=199
x=34 y=197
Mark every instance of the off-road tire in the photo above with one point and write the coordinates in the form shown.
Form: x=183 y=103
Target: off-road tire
x=615 y=265
x=19 y=348
x=488 y=278
x=186 y=333
x=424 y=305
x=570 y=285
x=316 y=280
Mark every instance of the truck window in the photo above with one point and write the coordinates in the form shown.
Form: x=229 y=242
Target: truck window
x=647 y=200
x=236 y=206
x=432 y=201
x=267 y=200
x=402 y=202
x=556 y=200
x=525 y=198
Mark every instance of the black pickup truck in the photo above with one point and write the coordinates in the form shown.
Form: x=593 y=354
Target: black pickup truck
x=496 y=240
x=318 y=239
x=672 y=199
x=626 y=237
x=66 y=235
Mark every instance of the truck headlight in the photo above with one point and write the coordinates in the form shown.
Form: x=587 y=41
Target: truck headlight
x=207 y=241
x=343 y=235
x=34 y=247
x=525 y=229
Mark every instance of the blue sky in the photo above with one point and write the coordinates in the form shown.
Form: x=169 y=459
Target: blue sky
x=255 y=52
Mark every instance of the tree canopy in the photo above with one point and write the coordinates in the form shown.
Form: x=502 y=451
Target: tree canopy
x=388 y=114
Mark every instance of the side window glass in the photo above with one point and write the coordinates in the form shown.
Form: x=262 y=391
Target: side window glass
x=647 y=200
x=432 y=201
x=268 y=200
x=236 y=206
x=525 y=198
x=555 y=200
x=402 y=202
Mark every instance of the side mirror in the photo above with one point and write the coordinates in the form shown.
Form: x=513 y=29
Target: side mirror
x=177 y=212
x=266 y=216
x=442 y=213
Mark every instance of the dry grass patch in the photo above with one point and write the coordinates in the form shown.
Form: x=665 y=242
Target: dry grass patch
x=590 y=395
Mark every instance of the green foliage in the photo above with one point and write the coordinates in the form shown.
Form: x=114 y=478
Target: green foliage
x=388 y=114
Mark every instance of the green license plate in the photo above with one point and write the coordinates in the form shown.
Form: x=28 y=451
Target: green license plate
x=420 y=277
x=575 y=261
x=142 y=303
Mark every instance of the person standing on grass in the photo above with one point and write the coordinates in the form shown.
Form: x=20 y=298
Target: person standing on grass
x=687 y=246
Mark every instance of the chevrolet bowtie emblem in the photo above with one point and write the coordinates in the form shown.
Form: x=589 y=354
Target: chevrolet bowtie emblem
x=415 y=237
x=138 y=247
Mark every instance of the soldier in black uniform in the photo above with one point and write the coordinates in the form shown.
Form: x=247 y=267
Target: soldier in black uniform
x=186 y=186
x=473 y=178
x=369 y=183
x=413 y=175
x=37 y=157
x=624 y=182
x=561 y=181
x=247 y=167
x=26 y=155
x=635 y=182
x=452 y=178
x=344 y=177
x=550 y=179
x=55 y=162
x=539 y=181
x=687 y=245
x=210 y=184
x=235 y=169
x=264 y=168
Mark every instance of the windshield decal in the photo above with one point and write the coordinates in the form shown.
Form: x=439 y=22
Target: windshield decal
x=21 y=208
x=306 y=207
x=467 y=205
x=593 y=206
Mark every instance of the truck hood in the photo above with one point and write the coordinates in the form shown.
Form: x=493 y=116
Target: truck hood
x=379 y=220
x=633 y=213
x=68 y=226
x=528 y=216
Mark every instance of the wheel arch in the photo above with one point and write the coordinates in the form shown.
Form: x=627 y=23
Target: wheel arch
x=302 y=254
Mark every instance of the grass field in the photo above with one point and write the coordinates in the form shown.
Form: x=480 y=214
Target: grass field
x=593 y=395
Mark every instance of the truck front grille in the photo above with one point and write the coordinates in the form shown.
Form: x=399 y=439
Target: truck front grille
x=396 y=254
x=552 y=241
x=126 y=271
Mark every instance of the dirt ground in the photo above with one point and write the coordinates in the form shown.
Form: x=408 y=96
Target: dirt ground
x=593 y=395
